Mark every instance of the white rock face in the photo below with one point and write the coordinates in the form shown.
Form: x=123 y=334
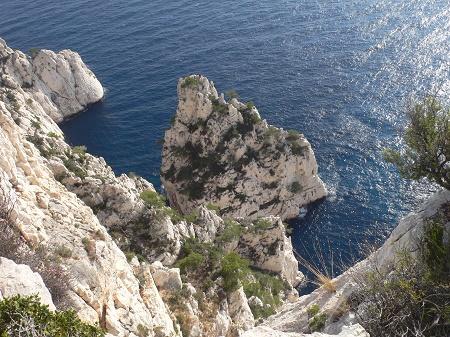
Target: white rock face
x=103 y=285
x=240 y=311
x=224 y=154
x=355 y=330
x=19 y=279
x=166 y=278
x=271 y=250
x=61 y=83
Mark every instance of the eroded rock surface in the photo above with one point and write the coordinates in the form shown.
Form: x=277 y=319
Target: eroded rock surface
x=225 y=154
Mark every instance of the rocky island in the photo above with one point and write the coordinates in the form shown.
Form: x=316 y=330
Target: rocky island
x=108 y=246
x=224 y=154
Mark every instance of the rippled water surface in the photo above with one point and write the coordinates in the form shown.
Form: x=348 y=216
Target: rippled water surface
x=337 y=71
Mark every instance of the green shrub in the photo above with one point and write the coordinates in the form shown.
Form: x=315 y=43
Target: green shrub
x=312 y=311
x=53 y=135
x=232 y=94
x=79 y=149
x=26 y=316
x=152 y=198
x=260 y=226
x=317 y=323
x=190 y=82
x=415 y=299
x=426 y=153
x=33 y=52
x=234 y=269
x=214 y=208
x=293 y=135
x=271 y=132
x=231 y=231
x=267 y=288
x=296 y=187
x=192 y=261
x=297 y=149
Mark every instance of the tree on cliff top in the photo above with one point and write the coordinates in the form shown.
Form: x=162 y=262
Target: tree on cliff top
x=427 y=143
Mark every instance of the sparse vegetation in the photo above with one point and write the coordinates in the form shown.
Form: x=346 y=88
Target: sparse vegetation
x=33 y=52
x=293 y=135
x=297 y=149
x=414 y=300
x=317 y=266
x=40 y=259
x=89 y=246
x=214 y=208
x=232 y=94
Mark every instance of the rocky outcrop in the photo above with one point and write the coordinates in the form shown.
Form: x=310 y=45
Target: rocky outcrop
x=19 y=279
x=103 y=286
x=60 y=84
x=72 y=203
x=226 y=155
x=292 y=320
x=355 y=330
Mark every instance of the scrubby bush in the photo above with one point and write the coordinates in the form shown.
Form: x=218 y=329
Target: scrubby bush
x=214 y=208
x=293 y=135
x=26 y=316
x=427 y=143
x=296 y=187
x=234 y=269
x=190 y=82
x=190 y=262
x=152 y=198
x=414 y=300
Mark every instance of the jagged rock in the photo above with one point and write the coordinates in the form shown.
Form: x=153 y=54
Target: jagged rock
x=222 y=321
x=270 y=249
x=166 y=278
x=224 y=154
x=61 y=83
x=19 y=279
x=103 y=286
x=239 y=310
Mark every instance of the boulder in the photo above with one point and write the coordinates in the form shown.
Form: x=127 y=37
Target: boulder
x=19 y=279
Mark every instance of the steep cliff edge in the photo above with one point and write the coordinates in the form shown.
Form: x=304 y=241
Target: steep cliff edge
x=340 y=317
x=113 y=237
x=103 y=287
x=225 y=154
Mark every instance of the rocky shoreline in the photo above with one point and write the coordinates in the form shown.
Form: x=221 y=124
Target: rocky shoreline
x=121 y=245
x=136 y=267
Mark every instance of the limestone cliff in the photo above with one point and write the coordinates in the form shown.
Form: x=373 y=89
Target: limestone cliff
x=103 y=286
x=116 y=246
x=226 y=155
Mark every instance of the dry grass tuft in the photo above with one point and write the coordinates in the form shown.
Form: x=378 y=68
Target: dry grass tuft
x=323 y=277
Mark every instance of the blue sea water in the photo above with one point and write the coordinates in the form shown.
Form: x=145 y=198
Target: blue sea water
x=338 y=71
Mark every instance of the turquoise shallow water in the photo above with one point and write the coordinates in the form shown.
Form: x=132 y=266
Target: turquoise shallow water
x=337 y=71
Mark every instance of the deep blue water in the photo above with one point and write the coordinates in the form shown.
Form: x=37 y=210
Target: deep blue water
x=338 y=71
